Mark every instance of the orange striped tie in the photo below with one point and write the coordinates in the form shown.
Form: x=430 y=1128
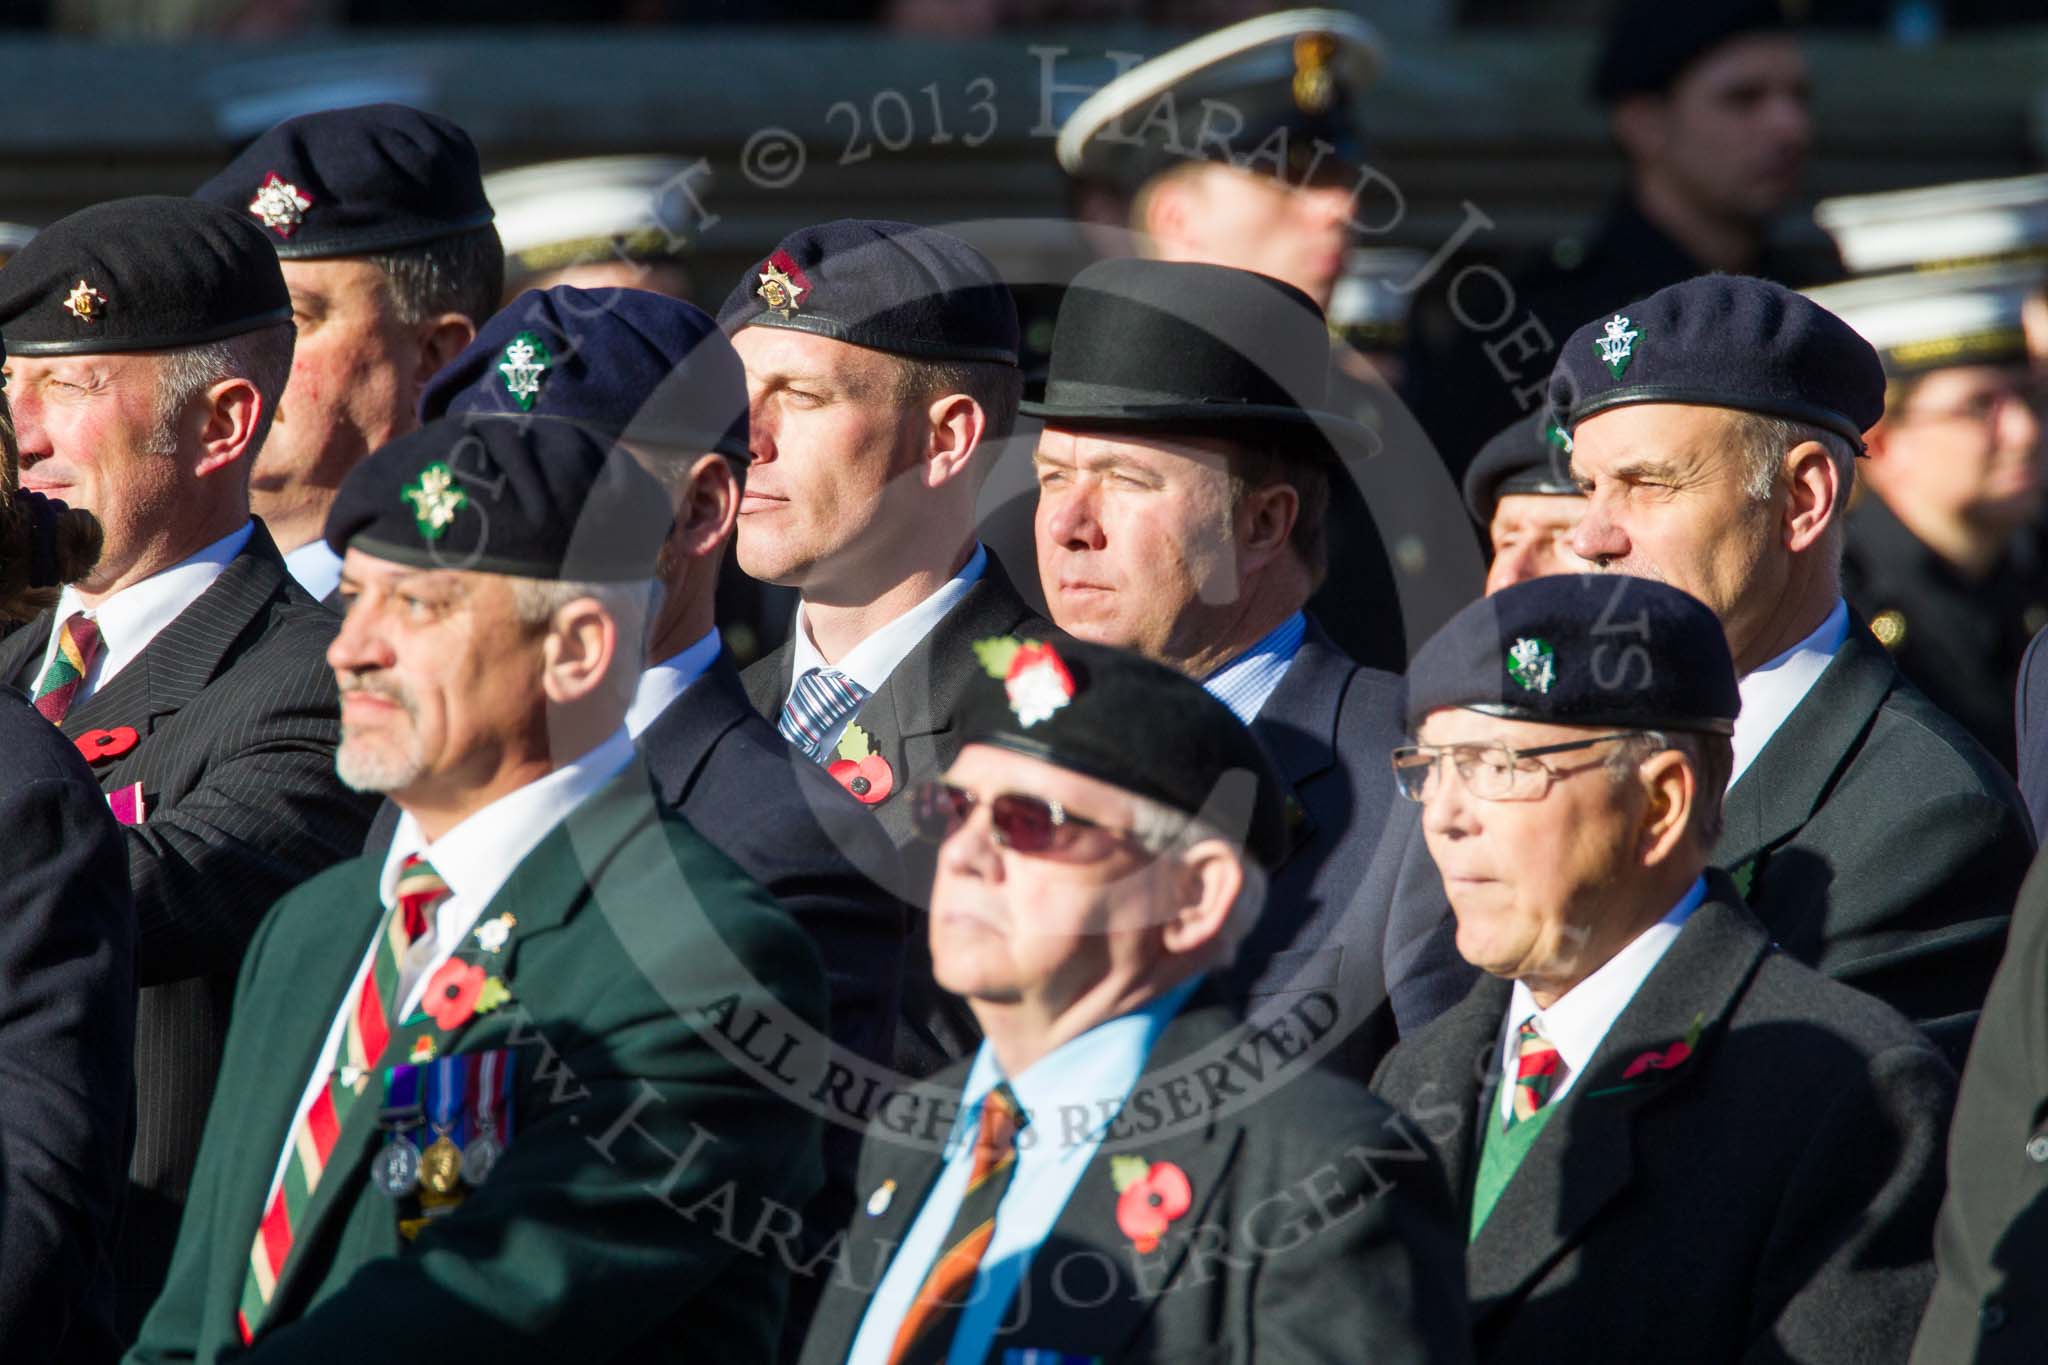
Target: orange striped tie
x=927 y=1331
x=78 y=644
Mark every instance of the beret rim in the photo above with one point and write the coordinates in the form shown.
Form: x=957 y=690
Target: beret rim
x=423 y=557
x=111 y=345
x=835 y=330
x=1789 y=408
x=1705 y=725
x=370 y=243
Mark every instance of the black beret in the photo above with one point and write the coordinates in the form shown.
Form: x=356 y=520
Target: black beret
x=892 y=287
x=351 y=182
x=625 y=362
x=1530 y=456
x=1725 y=341
x=144 y=274
x=1648 y=44
x=1122 y=719
x=533 y=498
x=1582 y=649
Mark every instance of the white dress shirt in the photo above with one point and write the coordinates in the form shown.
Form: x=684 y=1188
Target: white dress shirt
x=1578 y=1020
x=475 y=859
x=870 y=662
x=137 y=614
x=662 y=683
x=317 y=568
x=1774 y=691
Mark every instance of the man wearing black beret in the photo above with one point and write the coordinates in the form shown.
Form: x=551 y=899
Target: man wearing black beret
x=1183 y=477
x=1715 y=428
x=477 y=1083
x=148 y=341
x=379 y=218
x=1521 y=493
x=1645 y=1091
x=1105 y=837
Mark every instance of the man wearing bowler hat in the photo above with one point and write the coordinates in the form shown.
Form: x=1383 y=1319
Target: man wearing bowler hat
x=148 y=340
x=1183 y=475
x=1521 y=493
x=1715 y=430
x=1078 y=1190
x=379 y=218
x=1665 y=1135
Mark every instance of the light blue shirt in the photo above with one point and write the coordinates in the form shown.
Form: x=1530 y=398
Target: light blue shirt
x=1247 y=681
x=1063 y=1092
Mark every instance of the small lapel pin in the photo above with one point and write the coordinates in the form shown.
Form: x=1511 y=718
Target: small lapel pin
x=878 y=1202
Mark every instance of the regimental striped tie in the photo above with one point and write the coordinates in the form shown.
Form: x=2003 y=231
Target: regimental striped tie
x=926 y=1334
x=820 y=699
x=78 y=644
x=1538 y=1069
x=362 y=1041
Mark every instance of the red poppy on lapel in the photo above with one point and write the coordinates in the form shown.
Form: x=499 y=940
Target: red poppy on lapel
x=1664 y=1059
x=861 y=770
x=98 y=746
x=1151 y=1197
x=452 y=993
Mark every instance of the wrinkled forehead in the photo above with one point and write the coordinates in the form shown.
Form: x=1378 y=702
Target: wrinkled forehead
x=1638 y=436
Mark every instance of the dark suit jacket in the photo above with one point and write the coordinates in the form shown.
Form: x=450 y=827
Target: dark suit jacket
x=909 y=719
x=1357 y=909
x=637 y=956
x=2030 y=724
x=1991 y=1247
x=239 y=720
x=1771 y=1197
x=1319 y=1228
x=67 y=1039
x=1880 y=843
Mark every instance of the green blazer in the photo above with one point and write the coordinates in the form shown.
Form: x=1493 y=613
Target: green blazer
x=622 y=1221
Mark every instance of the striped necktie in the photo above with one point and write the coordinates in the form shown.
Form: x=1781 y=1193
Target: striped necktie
x=926 y=1334
x=821 y=698
x=348 y=1069
x=1538 y=1069
x=78 y=644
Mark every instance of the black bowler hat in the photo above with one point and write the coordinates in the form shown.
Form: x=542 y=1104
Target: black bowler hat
x=352 y=182
x=144 y=274
x=1530 y=456
x=1649 y=44
x=1189 y=348
x=1724 y=341
x=532 y=498
x=626 y=363
x=1120 y=718
x=896 y=287
x=1582 y=649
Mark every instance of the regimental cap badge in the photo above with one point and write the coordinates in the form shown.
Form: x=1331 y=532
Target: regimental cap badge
x=1034 y=676
x=1532 y=665
x=524 y=363
x=783 y=284
x=85 y=302
x=1315 y=87
x=435 y=500
x=280 y=205
x=1618 y=347
x=1557 y=437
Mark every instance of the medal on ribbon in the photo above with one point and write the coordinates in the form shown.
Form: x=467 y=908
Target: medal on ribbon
x=396 y=1170
x=441 y=1162
x=490 y=1088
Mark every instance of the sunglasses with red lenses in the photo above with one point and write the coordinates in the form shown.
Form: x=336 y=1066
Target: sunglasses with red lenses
x=1023 y=824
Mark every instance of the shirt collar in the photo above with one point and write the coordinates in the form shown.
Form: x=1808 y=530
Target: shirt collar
x=870 y=662
x=132 y=617
x=1774 y=691
x=662 y=683
x=317 y=568
x=1248 y=680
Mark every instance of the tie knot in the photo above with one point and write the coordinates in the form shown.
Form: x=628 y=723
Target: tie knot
x=1530 y=1032
x=1002 y=1119
x=420 y=889
x=821 y=698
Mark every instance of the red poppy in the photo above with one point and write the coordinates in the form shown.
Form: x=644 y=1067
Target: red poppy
x=452 y=992
x=1659 y=1061
x=1151 y=1202
x=869 y=779
x=100 y=745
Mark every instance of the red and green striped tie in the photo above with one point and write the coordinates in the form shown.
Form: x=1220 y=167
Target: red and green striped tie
x=1538 y=1069
x=348 y=1070
x=78 y=644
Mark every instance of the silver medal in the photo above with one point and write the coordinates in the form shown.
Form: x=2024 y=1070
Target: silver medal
x=396 y=1171
x=478 y=1158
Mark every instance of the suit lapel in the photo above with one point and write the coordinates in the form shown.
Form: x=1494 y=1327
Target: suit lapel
x=23 y=649
x=1586 y=1155
x=767 y=679
x=1298 y=724
x=683 y=736
x=1461 y=1050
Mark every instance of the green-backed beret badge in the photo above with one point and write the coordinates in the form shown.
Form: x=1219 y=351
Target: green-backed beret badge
x=1618 y=347
x=1532 y=665
x=524 y=365
x=435 y=500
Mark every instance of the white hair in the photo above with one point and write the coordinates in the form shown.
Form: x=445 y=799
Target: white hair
x=1165 y=832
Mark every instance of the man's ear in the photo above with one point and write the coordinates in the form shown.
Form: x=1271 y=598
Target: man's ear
x=227 y=426
x=1671 y=789
x=441 y=339
x=1640 y=124
x=1265 y=523
x=1209 y=878
x=582 y=641
x=709 y=507
x=1817 y=496
x=957 y=424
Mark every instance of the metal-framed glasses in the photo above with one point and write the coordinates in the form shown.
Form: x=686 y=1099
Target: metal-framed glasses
x=1024 y=824
x=1491 y=772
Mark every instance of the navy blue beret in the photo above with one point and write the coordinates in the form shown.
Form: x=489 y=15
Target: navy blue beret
x=535 y=498
x=1531 y=456
x=1120 y=718
x=1648 y=44
x=895 y=287
x=353 y=182
x=1582 y=649
x=625 y=362
x=1726 y=341
x=142 y=274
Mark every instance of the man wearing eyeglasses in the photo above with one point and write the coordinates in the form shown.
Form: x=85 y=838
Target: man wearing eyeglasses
x=1643 y=1083
x=1131 y=1175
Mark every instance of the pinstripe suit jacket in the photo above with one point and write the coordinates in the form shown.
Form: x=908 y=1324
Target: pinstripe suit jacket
x=239 y=719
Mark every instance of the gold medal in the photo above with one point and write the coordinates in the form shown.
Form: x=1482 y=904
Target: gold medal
x=441 y=1166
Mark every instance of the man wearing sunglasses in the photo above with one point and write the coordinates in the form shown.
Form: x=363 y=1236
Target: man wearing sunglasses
x=1104 y=837
x=1659 y=1085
